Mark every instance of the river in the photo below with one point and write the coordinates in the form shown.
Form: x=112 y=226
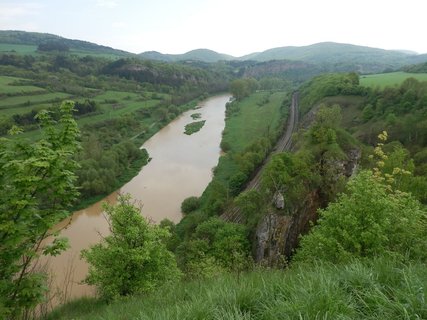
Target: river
x=181 y=166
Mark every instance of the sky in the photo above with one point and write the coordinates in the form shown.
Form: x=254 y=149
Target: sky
x=235 y=27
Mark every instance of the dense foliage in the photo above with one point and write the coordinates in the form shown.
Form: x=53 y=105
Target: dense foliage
x=416 y=68
x=38 y=186
x=134 y=258
x=241 y=88
x=368 y=220
x=329 y=85
x=403 y=109
x=214 y=247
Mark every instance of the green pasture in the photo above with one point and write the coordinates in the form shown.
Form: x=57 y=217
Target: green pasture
x=389 y=79
x=10 y=85
x=28 y=101
x=18 y=48
x=253 y=121
x=110 y=112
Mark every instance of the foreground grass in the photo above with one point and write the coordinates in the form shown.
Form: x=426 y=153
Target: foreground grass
x=389 y=79
x=381 y=289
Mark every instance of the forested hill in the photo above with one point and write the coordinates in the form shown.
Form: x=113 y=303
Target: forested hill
x=31 y=41
x=205 y=55
x=416 y=68
x=323 y=57
x=342 y=57
x=327 y=56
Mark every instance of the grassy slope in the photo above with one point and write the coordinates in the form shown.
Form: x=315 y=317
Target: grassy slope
x=253 y=120
x=351 y=107
x=111 y=103
x=381 y=289
x=8 y=85
x=18 y=48
x=252 y=123
x=389 y=79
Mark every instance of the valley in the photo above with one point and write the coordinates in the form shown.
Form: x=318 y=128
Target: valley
x=224 y=177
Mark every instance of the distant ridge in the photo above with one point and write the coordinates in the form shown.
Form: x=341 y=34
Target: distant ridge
x=340 y=56
x=323 y=52
x=204 y=55
x=37 y=38
x=325 y=56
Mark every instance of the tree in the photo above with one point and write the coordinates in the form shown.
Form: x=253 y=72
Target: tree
x=368 y=220
x=251 y=204
x=372 y=218
x=241 y=88
x=37 y=182
x=292 y=175
x=368 y=112
x=134 y=258
x=214 y=247
x=190 y=204
x=238 y=89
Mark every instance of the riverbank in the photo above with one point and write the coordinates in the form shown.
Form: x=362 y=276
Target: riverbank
x=138 y=138
x=159 y=188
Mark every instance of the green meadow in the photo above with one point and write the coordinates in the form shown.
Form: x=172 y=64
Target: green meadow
x=256 y=119
x=389 y=79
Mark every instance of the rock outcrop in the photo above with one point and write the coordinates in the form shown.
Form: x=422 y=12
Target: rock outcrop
x=277 y=235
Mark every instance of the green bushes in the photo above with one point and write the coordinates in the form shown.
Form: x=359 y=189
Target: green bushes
x=190 y=204
x=329 y=85
x=368 y=220
x=101 y=169
x=37 y=183
x=214 y=247
x=134 y=258
x=194 y=127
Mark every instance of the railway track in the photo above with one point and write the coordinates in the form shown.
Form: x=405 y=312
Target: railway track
x=284 y=144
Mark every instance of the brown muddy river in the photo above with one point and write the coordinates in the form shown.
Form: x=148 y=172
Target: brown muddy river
x=181 y=166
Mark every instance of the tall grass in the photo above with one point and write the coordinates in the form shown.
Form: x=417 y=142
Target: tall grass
x=380 y=289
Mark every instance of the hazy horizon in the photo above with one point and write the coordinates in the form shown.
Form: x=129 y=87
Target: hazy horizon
x=235 y=27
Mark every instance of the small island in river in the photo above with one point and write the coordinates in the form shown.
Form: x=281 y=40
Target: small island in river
x=194 y=127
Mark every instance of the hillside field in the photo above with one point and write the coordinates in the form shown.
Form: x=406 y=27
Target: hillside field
x=389 y=79
x=18 y=98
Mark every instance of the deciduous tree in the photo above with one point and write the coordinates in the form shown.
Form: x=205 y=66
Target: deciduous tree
x=37 y=186
x=134 y=258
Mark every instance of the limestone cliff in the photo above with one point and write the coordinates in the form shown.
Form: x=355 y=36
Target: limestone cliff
x=277 y=234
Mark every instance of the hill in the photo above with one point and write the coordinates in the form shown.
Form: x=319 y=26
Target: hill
x=324 y=57
x=416 y=68
x=327 y=56
x=340 y=57
x=27 y=42
x=324 y=52
x=205 y=55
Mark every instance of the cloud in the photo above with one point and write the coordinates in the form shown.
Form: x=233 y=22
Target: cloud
x=107 y=3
